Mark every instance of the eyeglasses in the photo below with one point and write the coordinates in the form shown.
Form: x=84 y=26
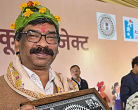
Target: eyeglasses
x=74 y=71
x=35 y=37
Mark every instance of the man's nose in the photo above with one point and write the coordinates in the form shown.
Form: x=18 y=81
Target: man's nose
x=42 y=41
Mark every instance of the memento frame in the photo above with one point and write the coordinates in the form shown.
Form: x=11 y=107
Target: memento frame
x=88 y=99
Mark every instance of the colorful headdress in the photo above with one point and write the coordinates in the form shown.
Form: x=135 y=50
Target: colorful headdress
x=100 y=84
x=31 y=11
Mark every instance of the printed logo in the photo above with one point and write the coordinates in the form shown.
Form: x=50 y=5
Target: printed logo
x=130 y=29
x=106 y=26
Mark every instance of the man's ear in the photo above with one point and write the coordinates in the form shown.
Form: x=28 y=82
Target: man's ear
x=58 y=52
x=16 y=46
x=80 y=71
x=135 y=65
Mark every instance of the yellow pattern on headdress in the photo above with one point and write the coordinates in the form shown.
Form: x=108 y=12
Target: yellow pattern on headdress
x=42 y=10
x=28 y=13
x=23 y=5
x=58 y=18
x=36 y=3
x=12 y=26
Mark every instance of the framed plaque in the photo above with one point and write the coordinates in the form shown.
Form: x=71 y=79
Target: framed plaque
x=88 y=99
x=132 y=102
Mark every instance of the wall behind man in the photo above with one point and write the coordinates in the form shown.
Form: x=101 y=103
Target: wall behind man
x=105 y=60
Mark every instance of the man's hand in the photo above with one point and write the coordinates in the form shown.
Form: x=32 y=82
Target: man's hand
x=27 y=107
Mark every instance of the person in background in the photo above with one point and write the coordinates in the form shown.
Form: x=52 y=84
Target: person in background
x=75 y=73
x=30 y=76
x=129 y=82
x=116 y=96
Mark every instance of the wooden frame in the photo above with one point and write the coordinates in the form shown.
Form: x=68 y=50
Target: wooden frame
x=81 y=100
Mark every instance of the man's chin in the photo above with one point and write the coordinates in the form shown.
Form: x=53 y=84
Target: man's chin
x=41 y=65
x=75 y=77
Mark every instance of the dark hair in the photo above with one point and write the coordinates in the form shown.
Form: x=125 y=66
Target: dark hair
x=114 y=90
x=35 y=22
x=74 y=66
x=134 y=61
x=116 y=84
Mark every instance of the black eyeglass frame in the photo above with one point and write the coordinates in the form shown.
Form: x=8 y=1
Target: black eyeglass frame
x=45 y=35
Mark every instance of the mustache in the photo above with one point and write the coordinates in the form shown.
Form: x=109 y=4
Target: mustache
x=44 y=50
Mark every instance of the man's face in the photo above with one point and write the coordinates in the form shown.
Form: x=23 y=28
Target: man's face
x=135 y=69
x=75 y=72
x=36 y=59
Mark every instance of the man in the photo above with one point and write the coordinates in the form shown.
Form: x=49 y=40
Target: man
x=30 y=76
x=75 y=73
x=129 y=83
